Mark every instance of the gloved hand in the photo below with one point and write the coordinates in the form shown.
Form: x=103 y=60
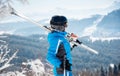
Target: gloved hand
x=67 y=65
x=74 y=37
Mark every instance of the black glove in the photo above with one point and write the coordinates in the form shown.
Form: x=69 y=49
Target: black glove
x=67 y=65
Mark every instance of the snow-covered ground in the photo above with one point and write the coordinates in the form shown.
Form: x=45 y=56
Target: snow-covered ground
x=36 y=68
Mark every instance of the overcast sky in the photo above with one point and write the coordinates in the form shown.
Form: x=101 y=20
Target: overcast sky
x=69 y=4
x=40 y=9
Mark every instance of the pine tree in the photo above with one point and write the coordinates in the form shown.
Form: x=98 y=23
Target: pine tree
x=115 y=71
x=119 y=67
x=102 y=72
x=110 y=71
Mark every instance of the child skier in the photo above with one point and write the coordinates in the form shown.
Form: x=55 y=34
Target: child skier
x=59 y=48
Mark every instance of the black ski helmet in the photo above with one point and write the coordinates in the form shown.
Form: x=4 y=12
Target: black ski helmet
x=58 y=20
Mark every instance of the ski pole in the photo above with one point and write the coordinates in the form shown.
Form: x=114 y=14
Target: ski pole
x=64 y=64
x=14 y=12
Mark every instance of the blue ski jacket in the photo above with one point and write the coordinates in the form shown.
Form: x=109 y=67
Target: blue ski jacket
x=55 y=39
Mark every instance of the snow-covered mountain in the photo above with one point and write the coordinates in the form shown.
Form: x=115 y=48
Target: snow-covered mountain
x=109 y=25
x=20 y=28
x=26 y=28
x=114 y=6
x=96 y=25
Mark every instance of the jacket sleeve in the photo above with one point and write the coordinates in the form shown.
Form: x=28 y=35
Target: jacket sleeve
x=52 y=51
